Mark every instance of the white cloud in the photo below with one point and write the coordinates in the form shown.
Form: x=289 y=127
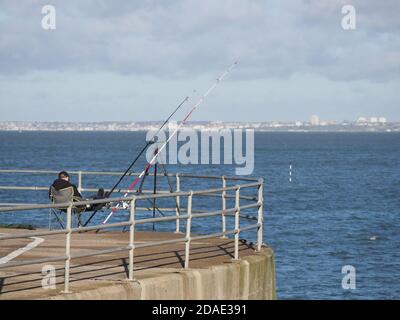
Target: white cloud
x=116 y=47
x=182 y=38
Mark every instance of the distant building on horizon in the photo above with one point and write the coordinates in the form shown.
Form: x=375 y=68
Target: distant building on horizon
x=314 y=120
x=372 y=120
x=299 y=123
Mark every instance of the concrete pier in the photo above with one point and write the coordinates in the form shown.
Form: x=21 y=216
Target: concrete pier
x=158 y=271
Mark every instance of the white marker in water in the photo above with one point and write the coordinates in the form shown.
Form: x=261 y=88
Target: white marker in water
x=290 y=173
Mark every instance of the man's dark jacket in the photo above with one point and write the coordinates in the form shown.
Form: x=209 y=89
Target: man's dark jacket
x=62 y=184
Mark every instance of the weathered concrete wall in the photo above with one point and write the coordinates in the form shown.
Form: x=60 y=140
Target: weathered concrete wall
x=253 y=277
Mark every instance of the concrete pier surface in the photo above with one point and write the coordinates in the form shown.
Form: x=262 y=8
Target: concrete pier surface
x=158 y=271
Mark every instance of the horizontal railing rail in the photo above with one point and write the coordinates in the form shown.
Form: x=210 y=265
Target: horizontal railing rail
x=117 y=173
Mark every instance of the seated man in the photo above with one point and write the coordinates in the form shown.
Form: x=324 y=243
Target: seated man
x=63 y=182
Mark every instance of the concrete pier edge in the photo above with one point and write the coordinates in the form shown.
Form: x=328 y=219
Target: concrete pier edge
x=253 y=278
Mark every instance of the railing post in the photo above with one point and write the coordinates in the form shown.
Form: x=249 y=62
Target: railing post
x=260 y=214
x=68 y=249
x=178 y=203
x=50 y=219
x=188 y=229
x=132 y=238
x=224 y=208
x=237 y=211
x=80 y=181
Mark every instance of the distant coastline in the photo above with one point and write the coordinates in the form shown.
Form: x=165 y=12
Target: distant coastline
x=197 y=125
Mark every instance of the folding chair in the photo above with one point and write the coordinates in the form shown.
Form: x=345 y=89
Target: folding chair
x=64 y=196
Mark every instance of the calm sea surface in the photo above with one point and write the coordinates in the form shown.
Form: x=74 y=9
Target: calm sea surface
x=341 y=208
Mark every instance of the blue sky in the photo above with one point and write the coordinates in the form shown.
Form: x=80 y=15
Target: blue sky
x=135 y=60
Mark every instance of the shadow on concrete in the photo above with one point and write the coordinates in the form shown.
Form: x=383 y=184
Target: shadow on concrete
x=118 y=266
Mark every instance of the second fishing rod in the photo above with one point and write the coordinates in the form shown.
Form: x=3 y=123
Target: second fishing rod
x=147 y=144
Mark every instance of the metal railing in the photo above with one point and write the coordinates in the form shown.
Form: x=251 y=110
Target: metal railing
x=187 y=214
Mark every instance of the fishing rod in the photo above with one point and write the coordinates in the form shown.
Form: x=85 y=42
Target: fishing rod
x=151 y=141
x=198 y=103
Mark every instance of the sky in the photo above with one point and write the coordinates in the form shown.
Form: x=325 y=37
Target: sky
x=136 y=60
